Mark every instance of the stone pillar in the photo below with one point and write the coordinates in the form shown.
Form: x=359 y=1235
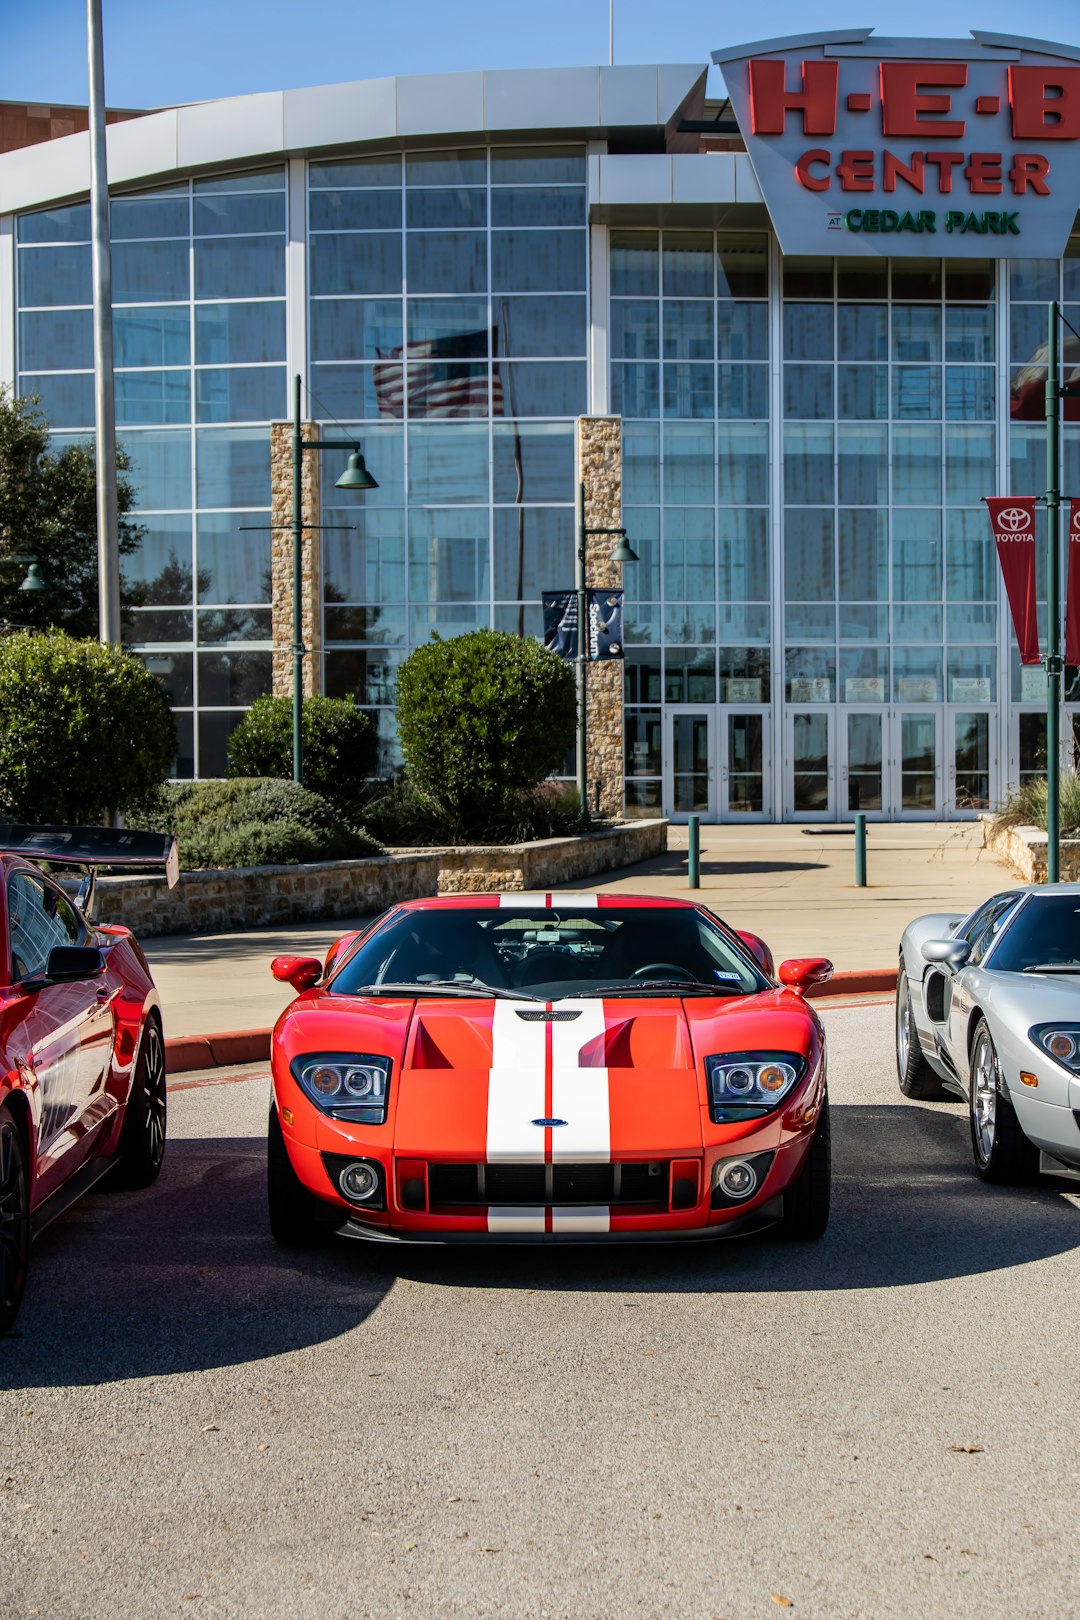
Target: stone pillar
x=281 y=579
x=599 y=469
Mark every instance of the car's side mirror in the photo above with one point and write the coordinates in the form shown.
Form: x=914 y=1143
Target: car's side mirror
x=803 y=971
x=950 y=954
x=299 y=971
x=67 y=964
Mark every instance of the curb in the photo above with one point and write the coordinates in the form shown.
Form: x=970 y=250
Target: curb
x=187 y=1053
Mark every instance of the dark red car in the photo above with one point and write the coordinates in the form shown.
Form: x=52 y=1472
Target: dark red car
x=82 y=1056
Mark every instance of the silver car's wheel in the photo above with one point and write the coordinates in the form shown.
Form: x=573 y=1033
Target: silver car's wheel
x=917 y=1079
x=1002 y=1151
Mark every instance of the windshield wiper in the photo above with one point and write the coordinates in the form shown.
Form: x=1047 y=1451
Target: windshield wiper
x=443 y=987
x=661 y=987
x=1053 y=967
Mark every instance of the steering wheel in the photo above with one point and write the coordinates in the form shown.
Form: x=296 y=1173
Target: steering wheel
x=662 y=970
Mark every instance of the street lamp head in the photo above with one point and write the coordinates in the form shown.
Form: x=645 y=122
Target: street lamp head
x=624 y=552
x=35 y=580
x=356 y=475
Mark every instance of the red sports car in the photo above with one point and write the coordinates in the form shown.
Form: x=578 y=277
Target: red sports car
x=547 y=1067
x=82 y=1060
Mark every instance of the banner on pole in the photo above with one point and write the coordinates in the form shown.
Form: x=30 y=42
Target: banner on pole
x=1012 y=518
x=604 y=621
x=1072 y=589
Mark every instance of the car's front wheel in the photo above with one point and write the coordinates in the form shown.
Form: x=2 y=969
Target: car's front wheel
x=806 y=1201
x=14 y=1218
x=1001 y=1150
x=917 y=1079
x=292 y=1209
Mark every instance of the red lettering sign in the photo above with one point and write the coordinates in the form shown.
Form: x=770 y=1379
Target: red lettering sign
x=770 y=98
x=983 y=172
x=1012 y=518
x=904 y=102
x=1045 y=103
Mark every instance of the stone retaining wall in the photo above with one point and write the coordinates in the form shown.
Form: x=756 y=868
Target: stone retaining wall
x=260 y=896
x=1024 y=849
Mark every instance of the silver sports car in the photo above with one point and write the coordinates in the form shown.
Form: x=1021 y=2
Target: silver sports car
x=988 y=1007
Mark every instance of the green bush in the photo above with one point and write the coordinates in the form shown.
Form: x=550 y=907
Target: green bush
x=252 y=822
x=1026 y=806
x=482 y=718
x=397 y=814
x=339 y=745
x=84 y=729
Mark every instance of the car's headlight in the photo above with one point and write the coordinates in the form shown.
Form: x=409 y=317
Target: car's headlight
x=1059 y=1041
x=743 y=1085
x=345 y=1085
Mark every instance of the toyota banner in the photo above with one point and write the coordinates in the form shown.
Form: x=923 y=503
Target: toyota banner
x=1012 y=518
x=604 y=617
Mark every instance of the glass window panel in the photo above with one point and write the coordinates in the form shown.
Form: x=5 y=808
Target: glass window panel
x=635 y=264
x=916 y=392
x=240 y=394
x=547 y=261
x=808 y=463
x=368 y=677
x=863 y=331
x=535 y=458
x=445 y=210
x=743 y=664
x=541 y=326
x=742 y=391
x=448 y=462
x=642 y=742
x=349 y=391
x=381 y=623
x=742 y=331
x=635 y=390
x=743 y=554
x=368 y=171
x=543 y=388
x=51 y=338
x=175 y=671
x=1070 y=270
x=383 y=448
x=251 y=180
x=969 y=279
x=916 y=464
x=809 y=555
x=223 y=214
x=444 y=168
x=688 y=330
x=448 y=555
x=965 y=666
x=739 y=622
x=807 y=277
x=807 y=665
x=688 y=624
x=689 y=471
x=641 y=462
x=862 y=278
x=538 y=165
x=916 y=674
x=862 y=393
x=1034 y=278
x=431 y=320
x=237 y=334
x=233 y=624
x=689 y=390
x=67 y=398
x=534 y=551
x=233 y=677
x=535 y=206
x=742 y=265
x=355 y=264
x=234 y=557
x=161 y=469
x=70 y=224
x=863 y=621
x=133 y=217
x=862 y=466
x=635 y=329
x=970 y=464
x=690 y=675
x=863 y=551
x=366 y=563
x=808 y=332
x=441 y=261
x=810 y=621
x=55 y=275
x=864 y=664
x=150 y=272
x=973 y=621
x=251 y=267
x=447 y=620
x=1027 y=458
x=155 y=625
x=233 y=466
x=742 y=462
x=642 y=581
x=1027 y=334
x=916 y=278
x=916 y=333
x=970 y=334
x=917 y=623
x=970 y=395
x=152 y=337
x=689 y=565
x=808 y=392
x=355 y=210
x=642 y=621
x=970 y=561
x=688 y=265
x=147 y=397
x=917 y=557
x=642 y=677
x=158 y=572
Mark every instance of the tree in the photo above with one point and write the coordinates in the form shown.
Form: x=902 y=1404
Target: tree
x=48 y=513
x=84 y=729
x=483 y=718
x=339 y=745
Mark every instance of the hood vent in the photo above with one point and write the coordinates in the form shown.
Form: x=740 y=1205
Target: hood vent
x=544 y=1016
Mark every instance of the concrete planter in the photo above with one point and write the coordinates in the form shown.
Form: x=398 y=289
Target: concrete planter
x=1024 y=849
x=261 y=896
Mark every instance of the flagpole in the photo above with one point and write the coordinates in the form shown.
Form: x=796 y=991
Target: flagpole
x=1053 y=602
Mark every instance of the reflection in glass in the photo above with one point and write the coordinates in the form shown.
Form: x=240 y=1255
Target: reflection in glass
x=234 y=557
x=810 y=763
x=153 y=337
x=448 y=555
x=239 y=334
x=972 y=759
x=864 y=761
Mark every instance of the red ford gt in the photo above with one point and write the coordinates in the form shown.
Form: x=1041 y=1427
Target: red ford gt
x=82 y=1060
x=547 y=1067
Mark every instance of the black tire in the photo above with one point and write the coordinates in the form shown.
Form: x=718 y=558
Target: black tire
x=917 y=1079
x=293 y=1211
x=14 y=1218
x=806 y=1201
x=142 y=1137
x=1001 y=1151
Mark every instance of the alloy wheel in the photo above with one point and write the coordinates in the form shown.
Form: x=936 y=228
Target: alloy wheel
x=984 y=1097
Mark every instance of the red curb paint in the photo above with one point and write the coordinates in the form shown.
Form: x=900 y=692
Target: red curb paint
x=855 y=983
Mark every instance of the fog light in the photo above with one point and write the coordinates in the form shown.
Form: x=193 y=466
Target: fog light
x=359 y=1182
x=738 y=1179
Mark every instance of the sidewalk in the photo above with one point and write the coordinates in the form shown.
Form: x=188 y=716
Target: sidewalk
x=794 y=886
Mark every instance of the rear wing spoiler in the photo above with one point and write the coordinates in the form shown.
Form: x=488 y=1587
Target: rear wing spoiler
x=93 y=847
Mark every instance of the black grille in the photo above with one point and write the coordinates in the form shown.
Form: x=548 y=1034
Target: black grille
x=537 y=1184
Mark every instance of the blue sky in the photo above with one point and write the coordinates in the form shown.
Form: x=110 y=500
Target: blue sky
x=158 y=54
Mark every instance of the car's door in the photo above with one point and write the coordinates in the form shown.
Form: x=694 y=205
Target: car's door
x=59 y=1035
x=969 y=984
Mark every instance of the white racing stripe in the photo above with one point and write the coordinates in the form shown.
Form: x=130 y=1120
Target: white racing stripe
x=516 y=1086
x=569 y=900
x=581 y=1219
x=515 y=1220
x=579 y=1095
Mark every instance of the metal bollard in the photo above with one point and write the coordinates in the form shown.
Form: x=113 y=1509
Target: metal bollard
x=860 y=851
x=694 y=852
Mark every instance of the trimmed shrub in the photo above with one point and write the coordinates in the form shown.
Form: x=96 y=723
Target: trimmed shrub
x=339 y=745
x=482 y=718
x=397 y=814
x=252 y=822
x=1026 y=806
x=85 y=729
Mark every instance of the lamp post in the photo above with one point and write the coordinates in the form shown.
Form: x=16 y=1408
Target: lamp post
x=355 y=476
x=623 y=553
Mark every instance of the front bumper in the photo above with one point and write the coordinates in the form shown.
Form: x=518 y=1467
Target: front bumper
x=759 y=1219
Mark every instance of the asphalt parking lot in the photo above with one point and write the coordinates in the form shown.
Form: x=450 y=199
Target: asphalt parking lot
x=883 y=1424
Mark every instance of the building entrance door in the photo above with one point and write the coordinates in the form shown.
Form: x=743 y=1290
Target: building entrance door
x=690 y=764
x=746 y=766
x=810 y=777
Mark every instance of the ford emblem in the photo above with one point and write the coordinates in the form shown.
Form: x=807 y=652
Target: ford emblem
x=547 y=1122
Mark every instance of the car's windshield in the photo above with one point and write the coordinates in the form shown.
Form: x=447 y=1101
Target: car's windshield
x=552 y=952
x=1044 y=933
